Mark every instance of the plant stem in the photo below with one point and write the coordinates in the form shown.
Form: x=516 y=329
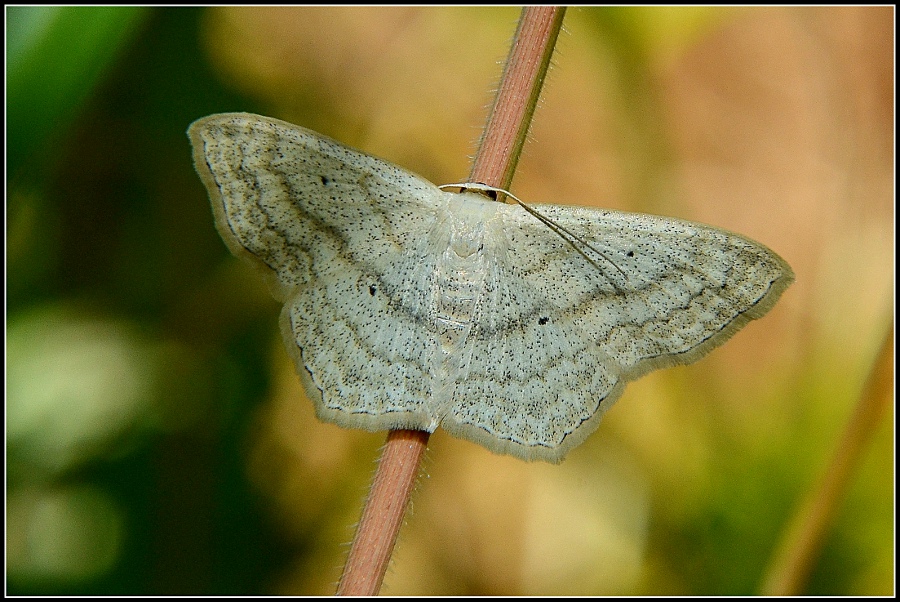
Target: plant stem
x=523 y=76
x=804 y=536
x=495 y=163
x=383 y=514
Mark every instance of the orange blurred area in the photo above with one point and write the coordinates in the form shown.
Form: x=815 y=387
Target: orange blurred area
x=159 y=441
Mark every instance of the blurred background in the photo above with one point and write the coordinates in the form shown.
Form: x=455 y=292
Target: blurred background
x=158 y=440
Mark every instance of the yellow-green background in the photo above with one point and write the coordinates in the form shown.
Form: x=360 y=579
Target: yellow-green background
x=158 y=441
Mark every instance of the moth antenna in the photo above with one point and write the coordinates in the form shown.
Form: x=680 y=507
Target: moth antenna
x=561 y=231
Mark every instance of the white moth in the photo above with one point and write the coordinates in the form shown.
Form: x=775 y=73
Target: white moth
x=407 y=307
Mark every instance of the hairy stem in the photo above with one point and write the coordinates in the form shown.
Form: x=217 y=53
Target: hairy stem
x=495 y=162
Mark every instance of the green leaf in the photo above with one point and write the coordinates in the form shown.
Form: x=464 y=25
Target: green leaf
x=55 y=58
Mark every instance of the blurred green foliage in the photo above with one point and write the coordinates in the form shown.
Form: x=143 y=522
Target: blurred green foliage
x=108 y=237
x=55 y=58
x=152 y=444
